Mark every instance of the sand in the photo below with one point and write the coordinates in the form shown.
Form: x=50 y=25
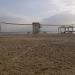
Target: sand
x=52 y=54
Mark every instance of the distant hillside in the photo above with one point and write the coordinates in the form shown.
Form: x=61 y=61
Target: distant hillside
x=8 y=19
x=62 y=18
x=14 y=28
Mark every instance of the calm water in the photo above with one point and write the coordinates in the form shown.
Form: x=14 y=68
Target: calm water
x=25 y=29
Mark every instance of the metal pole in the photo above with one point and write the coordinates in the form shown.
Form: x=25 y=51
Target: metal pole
x=72 y=29
x=58 y=29
x=0 y=27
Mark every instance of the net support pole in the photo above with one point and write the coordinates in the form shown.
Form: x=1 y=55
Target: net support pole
x=0 y=28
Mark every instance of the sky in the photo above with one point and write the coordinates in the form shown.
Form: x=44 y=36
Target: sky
x=34 y=10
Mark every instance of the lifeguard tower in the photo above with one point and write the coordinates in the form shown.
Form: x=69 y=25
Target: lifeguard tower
x=66 y=29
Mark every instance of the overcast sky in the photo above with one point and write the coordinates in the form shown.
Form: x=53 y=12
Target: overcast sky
x=35 y=10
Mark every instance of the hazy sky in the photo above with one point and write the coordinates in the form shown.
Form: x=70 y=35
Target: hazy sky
x=34 y=10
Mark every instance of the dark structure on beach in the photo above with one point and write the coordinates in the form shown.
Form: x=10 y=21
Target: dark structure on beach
x=36 y=27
